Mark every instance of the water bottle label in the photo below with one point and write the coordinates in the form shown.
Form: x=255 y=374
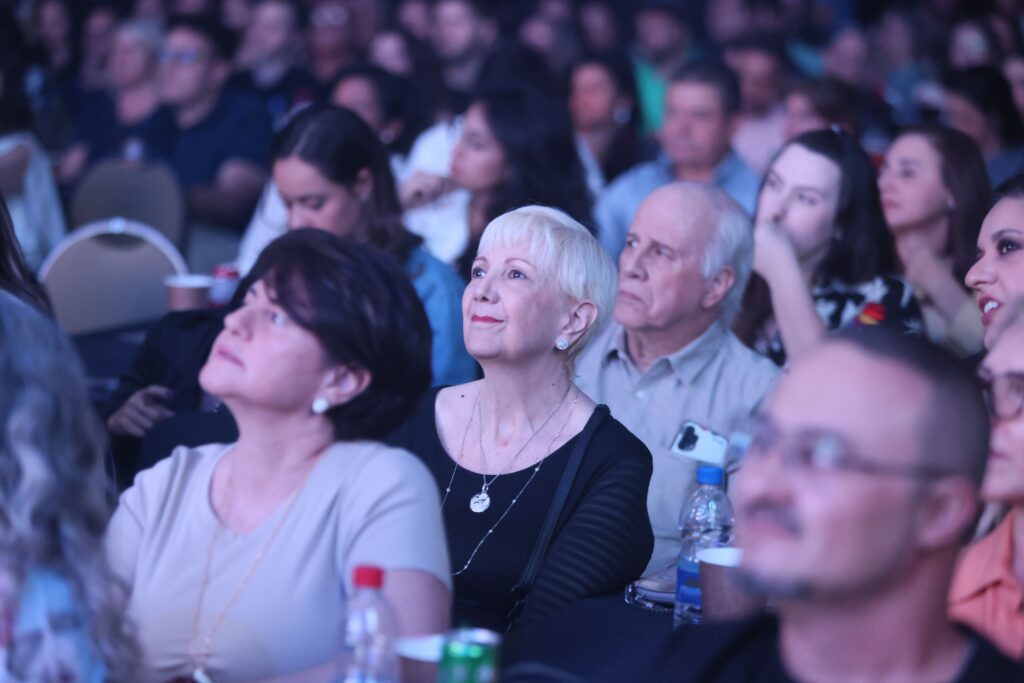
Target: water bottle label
x=688 y=583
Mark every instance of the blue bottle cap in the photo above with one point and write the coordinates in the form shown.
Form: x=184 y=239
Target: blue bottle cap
x=709 y=474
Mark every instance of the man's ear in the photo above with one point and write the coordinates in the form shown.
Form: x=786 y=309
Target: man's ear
x=718 y=287
x=947 y=510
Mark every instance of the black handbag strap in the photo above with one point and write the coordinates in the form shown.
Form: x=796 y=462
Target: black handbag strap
x=529 y=575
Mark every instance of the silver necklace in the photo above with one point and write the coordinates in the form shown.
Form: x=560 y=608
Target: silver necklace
x=481 y=501
x=515 y=499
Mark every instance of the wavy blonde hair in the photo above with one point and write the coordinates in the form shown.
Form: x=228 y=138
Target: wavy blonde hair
x=55 y=496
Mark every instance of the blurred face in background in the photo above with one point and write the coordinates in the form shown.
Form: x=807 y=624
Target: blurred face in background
x=600 y=26
x=54 y=27
x=236 y=14
x=478 y=162
x=846 y=57
x=969 y=46
x=189 y=68
x=414 y=17
x=330 y=30
x=458 y=31
x=360 y=95
x=801 y=116
x=1013 y=70
x=390 y=52
x=272 y=32
x=594 y=98
x=697 y=130
x=911 y=185
x=967 y=118
x=661 y=35
x=760 y=76
x=98 y=34
x=131 y=61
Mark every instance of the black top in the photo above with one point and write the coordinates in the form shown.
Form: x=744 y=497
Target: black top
x=105 y=136
x=237 y=128
x=748 y=652
x=295 y=87
x=602 y=540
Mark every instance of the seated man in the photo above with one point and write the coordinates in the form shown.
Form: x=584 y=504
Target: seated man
x=858 y=487
x=668 y=355
x=702 y=108
x=223 y=147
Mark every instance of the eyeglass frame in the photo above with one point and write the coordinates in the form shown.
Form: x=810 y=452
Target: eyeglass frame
x=187 y=57
x=743 y=443
x=989 y=384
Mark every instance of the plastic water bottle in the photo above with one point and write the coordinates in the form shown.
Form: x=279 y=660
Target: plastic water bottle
x=705 y=522
x=368 y=633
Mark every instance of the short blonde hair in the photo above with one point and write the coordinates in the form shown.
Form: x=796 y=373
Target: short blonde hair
x=564 y=251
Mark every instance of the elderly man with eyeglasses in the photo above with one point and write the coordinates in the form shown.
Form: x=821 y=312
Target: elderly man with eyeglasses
x=858 y=485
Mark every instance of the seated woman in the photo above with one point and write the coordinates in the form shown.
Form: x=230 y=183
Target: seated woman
x=505 y=450
x=331 y=172
x=988 y=584
x=56 y=589
x=935 y=194
x=602 y=103
x=997 y=276
x=130 y=120
x=516 y=147
x=822 y=254
x=237 y=555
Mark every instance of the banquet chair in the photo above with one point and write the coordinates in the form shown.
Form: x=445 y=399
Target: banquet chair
x=108 y=275
x=137 y=191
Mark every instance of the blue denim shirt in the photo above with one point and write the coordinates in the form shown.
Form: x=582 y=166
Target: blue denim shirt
x=618 y=203
x=440 y=290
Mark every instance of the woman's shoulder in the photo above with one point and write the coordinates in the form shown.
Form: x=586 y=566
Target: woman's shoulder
x=156 y=489
x=372 y=469
x=613 y=443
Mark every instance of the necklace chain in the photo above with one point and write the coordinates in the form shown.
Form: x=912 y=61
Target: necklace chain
x=201 y=657
x=515 y=499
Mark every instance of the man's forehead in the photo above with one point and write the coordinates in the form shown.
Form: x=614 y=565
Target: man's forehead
x=674 y=215
x=875 y=402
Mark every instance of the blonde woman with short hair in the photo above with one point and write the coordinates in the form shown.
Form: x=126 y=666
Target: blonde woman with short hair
x=543 y=493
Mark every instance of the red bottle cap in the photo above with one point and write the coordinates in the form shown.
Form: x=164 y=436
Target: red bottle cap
x=366 y=576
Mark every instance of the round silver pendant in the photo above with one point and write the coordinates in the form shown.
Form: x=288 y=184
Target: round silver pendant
x=480 y=502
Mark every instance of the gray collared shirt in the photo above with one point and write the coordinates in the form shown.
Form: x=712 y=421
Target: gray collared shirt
x=617 y=204
x=715 y=381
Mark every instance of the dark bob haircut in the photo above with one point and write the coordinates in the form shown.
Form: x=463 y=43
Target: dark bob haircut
x=363 y=310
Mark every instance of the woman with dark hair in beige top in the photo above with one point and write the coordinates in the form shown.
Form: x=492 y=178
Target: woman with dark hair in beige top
x=237 y=555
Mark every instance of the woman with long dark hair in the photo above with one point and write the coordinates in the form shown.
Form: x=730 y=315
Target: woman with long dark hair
x=604 y=110
x=935 y=194
x=822 y=256
x=517 y=148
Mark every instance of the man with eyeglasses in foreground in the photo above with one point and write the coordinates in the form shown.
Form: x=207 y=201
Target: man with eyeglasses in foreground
x=857 y=489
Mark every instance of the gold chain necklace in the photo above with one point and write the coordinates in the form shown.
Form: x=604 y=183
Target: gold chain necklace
x=200 y=658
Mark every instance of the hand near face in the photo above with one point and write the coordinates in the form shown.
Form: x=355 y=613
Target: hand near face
x=141 y=412
x=423 y=188
x=773 y=251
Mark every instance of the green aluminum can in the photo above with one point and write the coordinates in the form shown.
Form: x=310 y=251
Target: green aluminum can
x=470 y=656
